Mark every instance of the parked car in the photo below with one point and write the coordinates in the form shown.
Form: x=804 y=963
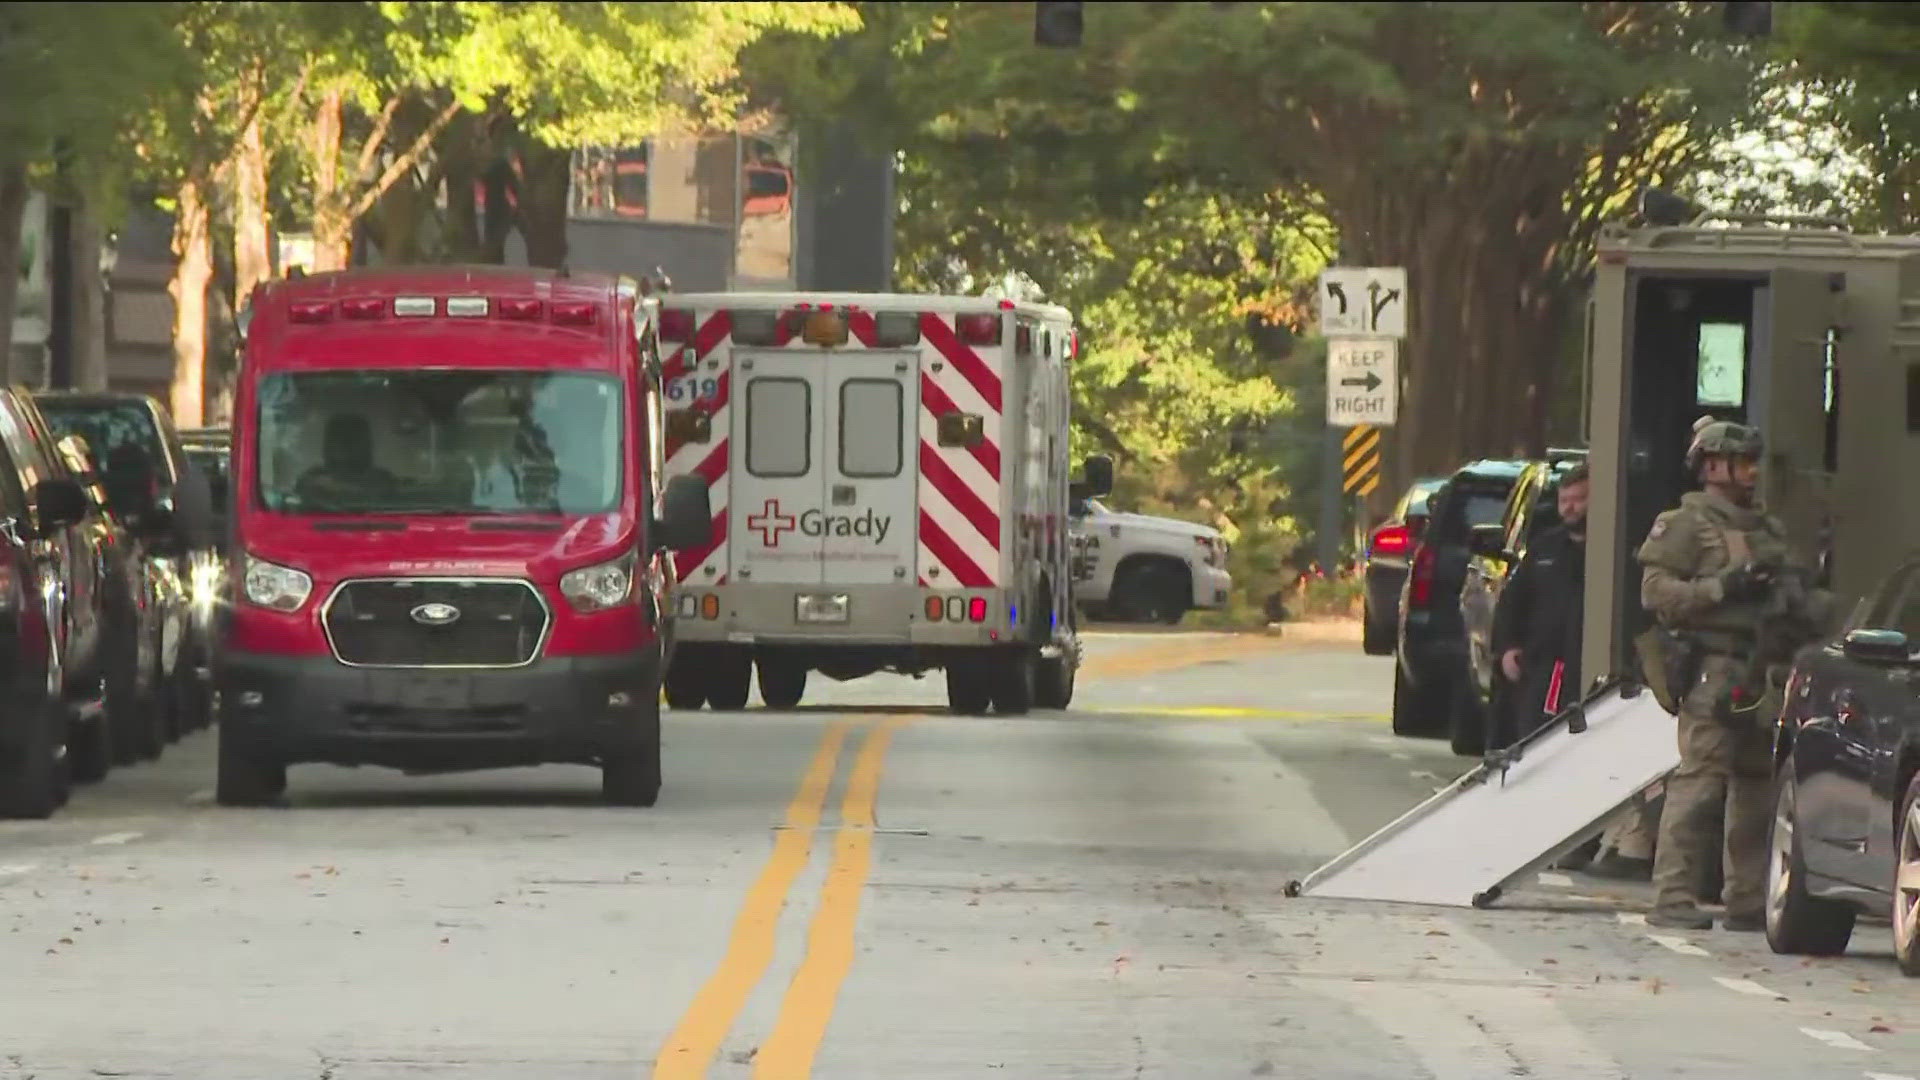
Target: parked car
x=35 y=513
x=1432 y=643
x=1385 y=565
x=210 y=451
x=1845 y=837
x=89 y=610
x=1496 y=549
x=163 y=499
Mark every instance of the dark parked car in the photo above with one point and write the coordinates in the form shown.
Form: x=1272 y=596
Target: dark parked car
x=35 y=514
x=163 y=500
x=1432 y=642
x=1846 y=827
x=1388 y=551
x=92 y=612
x=1496 y=550
x=210 y=451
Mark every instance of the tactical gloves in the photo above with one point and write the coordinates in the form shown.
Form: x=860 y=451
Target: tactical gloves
x=1745 y=583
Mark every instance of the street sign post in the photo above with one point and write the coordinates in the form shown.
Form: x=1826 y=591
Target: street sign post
x=1363 y=381
x=1369 y=301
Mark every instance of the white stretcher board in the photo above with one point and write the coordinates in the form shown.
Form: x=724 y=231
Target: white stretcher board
x=1463 y=845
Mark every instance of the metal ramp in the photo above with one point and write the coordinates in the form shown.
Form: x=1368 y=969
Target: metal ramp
x=1516 y=812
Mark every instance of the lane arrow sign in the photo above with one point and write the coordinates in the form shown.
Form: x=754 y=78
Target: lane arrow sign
x=1338 y=292
x=1371 y=382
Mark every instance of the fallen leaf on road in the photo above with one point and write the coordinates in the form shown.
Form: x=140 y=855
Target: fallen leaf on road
x=66 y=941
x=1881 y=1029
x=1655 y=985
x=1438 y=933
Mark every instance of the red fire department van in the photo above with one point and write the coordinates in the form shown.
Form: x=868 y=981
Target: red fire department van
x=450 y=528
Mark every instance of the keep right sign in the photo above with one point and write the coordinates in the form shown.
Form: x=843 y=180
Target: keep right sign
x=1363 y=381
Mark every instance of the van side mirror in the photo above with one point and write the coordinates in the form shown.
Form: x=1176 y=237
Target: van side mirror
x=1490 y=541
x=61 y=503
x=1877 y=646
x=686 y=521
x=1099 y=475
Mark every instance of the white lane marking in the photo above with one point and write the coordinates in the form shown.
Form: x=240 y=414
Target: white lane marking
x=1679 y=945
x=1746 y=986
x=1839 y=1040
x=1421 y=774
x=16 y=869
x=1558 y=881
x=1631 y=918
x=201 y=797
x=1886 y=1076
x=117 y=838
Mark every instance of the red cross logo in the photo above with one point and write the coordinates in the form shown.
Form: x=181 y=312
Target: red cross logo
x=770 y=523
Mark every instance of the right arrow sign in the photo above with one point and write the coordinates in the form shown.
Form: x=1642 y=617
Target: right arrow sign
x=1362 y=381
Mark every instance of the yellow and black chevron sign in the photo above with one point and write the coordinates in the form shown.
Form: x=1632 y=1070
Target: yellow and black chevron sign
x=1360 y=466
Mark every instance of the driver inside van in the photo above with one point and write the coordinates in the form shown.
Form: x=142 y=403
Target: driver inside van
x=346 y=475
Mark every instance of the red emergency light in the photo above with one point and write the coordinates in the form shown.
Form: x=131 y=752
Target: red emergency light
x=676 y=326
x=364 y=307
x=310 y=311
x=577 y=314
x=982 y=329
x=518 y=308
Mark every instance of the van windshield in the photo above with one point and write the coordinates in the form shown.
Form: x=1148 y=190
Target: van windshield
x=439 y=442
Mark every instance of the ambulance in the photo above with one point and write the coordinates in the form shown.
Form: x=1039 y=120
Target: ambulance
x=890 y=476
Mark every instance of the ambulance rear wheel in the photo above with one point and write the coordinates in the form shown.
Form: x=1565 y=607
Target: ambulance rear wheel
x=729 y=678
x=969 y=693
x=686 y=681
x=783 y=681
x=630 y=776
x=1016 y=675
x=1054 y=689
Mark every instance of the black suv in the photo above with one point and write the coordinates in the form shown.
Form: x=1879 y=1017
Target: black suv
x=1432 y=644
x=1481 y=705
x=164 y=501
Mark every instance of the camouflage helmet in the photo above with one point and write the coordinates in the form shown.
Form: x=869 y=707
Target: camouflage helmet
x=1718 y=438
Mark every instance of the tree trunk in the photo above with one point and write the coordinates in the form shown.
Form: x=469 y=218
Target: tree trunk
x=498 y=221
x=192 y=271
x=252 y=250
x=543 y=203
x=89 y=311
x=332 y=223
x=13 y=205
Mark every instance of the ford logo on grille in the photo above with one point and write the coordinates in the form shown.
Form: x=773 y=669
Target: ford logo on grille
x=435 y=614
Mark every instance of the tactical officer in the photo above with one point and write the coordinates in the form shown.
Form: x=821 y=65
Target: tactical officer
x=1713 y=572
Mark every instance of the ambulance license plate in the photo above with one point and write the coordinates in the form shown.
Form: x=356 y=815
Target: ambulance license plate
x=821 y=608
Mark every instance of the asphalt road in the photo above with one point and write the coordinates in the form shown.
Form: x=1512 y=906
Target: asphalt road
x=868 y=888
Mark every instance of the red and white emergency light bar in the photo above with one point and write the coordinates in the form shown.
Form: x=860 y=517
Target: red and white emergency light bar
x=512 y=308
x=828 y=326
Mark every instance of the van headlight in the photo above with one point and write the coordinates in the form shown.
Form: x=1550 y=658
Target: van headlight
x=271 y=585
x=597 y=588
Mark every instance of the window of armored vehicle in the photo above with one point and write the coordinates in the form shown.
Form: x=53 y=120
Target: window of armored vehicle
x=1721 y=382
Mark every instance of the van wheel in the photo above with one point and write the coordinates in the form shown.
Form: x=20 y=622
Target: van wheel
x=1798 y=923
x=783 y=681
x=242 y=778
x=1016 y=672
x=1906 y=885
x=33 y=781
x=969 y=691
x=729 y=678
x=631 y=775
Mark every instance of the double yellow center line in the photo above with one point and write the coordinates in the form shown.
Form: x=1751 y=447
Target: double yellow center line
x=789 y=1050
